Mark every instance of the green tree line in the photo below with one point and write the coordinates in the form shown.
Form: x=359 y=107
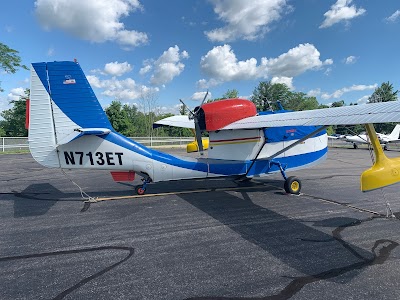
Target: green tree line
x=128 y=120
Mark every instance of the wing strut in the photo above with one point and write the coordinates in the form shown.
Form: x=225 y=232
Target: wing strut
x=286 y=148
x=298 y=142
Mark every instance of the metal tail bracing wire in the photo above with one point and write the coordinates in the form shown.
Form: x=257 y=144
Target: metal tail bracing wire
x=84 y=195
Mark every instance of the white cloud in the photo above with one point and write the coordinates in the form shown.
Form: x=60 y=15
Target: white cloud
x=222 y=65
x=350 y=60
x=168 y=66
x=246 y=19
x=15 y=94
x=117 y=69
x=363 y=100
x=185 y=54
x=394 y=17
x=168 y=109
x=50 y=51
x=206 y=84
x=314 y=93
x=285 y=80
x=341 y=11
x=4 y=104
x=94 y=81
x=328 y=71
x=126 y=89
x=338 y=93
x=92 y=20
x=296 y=61
x=199 y=96
x=146 y=69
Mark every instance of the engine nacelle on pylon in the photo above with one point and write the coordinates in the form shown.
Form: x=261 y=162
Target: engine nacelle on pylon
x=218 y=114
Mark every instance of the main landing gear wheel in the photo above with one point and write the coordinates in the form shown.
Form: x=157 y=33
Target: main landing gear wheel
x=292 y=185
x=355 y=146
x=140 y=190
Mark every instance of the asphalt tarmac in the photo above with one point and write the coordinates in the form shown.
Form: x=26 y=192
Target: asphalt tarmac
x=198 y=239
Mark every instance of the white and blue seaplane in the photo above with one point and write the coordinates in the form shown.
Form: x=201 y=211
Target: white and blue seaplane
x=68 y=129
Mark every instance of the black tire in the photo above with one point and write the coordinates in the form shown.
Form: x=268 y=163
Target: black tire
x=385 y=147
x=140 y=190
x=292 y=185
x=355 y=146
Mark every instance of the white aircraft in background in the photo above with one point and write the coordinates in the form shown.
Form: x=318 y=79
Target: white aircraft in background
x=383 y=138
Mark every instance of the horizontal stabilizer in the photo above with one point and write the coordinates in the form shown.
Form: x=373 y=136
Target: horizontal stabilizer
x=93 y=131
x=77 y=133
x=175 y=121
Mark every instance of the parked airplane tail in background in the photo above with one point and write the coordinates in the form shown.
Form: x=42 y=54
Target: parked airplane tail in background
x=395 y=133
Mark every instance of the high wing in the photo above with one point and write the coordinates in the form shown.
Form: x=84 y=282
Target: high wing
x=384 y=170
x=358 y=114
x=176 y=121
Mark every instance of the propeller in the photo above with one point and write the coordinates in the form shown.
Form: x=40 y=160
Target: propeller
x=194 y=115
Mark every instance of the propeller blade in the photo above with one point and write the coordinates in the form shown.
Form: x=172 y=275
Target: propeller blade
x=204 y=99
x=194 y=115
x=186 y=107
x=199 y=140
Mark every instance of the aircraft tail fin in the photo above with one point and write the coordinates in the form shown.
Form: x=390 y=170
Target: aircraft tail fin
x=63 y=107
x=394 y=135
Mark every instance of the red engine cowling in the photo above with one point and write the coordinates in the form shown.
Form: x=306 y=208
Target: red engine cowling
x=216 y=115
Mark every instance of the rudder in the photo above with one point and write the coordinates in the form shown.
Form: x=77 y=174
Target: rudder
x=61 y=102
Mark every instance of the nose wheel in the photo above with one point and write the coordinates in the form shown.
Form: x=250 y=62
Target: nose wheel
x=292 y=185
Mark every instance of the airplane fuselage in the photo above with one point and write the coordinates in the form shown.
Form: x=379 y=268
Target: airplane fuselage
x=238 y=149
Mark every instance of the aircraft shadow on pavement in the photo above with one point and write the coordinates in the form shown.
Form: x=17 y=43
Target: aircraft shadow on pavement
x=37 y=199
x=212 y=184
x=317 y=255
x=299 y=246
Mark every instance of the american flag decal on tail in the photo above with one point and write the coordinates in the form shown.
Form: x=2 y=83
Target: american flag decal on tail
x=69 y=80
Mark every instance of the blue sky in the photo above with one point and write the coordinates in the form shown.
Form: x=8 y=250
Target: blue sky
x=331 y=49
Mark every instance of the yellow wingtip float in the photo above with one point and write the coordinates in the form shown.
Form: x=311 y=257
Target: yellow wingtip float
x=194 y=147
x=385 y=171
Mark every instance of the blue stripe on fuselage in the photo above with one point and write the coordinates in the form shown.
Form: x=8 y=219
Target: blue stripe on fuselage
x=216 y=166
x=291 y=162
x=120 y=140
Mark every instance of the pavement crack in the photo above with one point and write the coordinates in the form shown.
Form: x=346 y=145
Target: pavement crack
x=380 y=254
x=82 y=282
